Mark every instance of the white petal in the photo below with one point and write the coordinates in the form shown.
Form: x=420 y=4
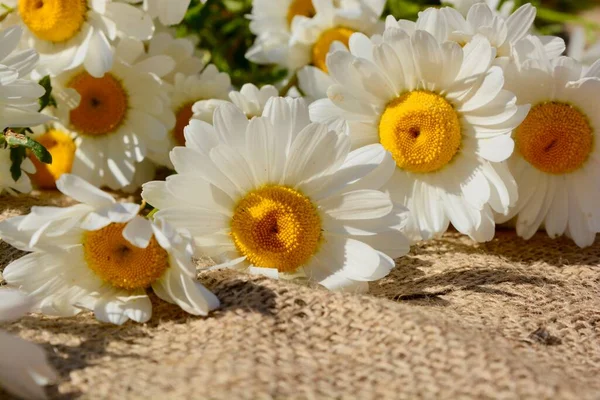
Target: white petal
x=80 y=190
x=27 y=370
x=138 y=232
x=360 y=204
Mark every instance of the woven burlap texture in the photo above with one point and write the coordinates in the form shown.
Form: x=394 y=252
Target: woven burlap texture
x=506 y=319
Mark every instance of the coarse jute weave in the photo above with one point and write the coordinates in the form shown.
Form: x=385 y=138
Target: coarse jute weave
x=506 y=319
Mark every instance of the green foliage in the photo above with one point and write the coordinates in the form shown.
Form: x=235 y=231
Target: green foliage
x=46 y=100
x=224 y=30
x=18 y=143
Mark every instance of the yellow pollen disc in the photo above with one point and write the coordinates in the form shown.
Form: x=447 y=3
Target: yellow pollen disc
x=422 y=131
x=321 y=47
x=62 y=148
x=556 y=138
x=300 y=7
x=53 y=20
x=276 y=227
x=116 y=261
x=184 y=114
x=103 y=105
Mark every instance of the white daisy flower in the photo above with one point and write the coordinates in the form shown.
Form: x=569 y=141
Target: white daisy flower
x=312 y=38
x=442 y=113
x=300 y=32
x=250 y=99
x=60 y=142
x=579 y=48
x=502 y=32
x=271 y=23
x=557 y=154
x=24 y=368
x=463 y=6
x=280 y=196
x=121 y=118
x=186 y=94
x=71 y=33
x=101 y=256
x=189 y=60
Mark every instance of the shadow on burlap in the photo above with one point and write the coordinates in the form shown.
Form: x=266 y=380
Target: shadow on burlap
x=506 y=319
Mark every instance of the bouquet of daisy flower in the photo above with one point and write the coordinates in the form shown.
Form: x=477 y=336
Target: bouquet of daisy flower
x=308 y=140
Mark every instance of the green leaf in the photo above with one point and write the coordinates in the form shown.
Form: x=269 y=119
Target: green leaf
x=19 y=140
x=47 y=99
x=17 y=155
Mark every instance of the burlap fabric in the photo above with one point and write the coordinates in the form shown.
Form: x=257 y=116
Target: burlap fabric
x=507 y=319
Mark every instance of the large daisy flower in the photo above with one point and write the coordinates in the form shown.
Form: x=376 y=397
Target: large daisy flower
x=24 y=368
x=442 y=113
x=280 y=196
x=122 y=118
x=71 y=33
x=557 y=154
x=101 y=256
x=481 y=20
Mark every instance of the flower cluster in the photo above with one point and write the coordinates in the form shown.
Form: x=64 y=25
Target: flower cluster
x=383 y=133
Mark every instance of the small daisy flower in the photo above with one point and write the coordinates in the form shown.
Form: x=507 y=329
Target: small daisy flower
x=481 y=20
x=300 y=32
x=280 y=196
x=59 y=141
x=101 y=256
x=187 y=91
x=24 y=368
x=557 y=152
x=442 y=113
x=121 y=118
x=250 y=99
x=312 y=38
x=271 y=22
x=71 y=33
x=189 y=60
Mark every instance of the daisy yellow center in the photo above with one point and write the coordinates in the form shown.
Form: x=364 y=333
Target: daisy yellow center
x=62 y=148
x=422 y=131
x=276 y=227
x=556 y=138
x=300 y=7
x=53 y=20
x=321 y=47
x=184 y=114
x=116 y=261
x=103 y=106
